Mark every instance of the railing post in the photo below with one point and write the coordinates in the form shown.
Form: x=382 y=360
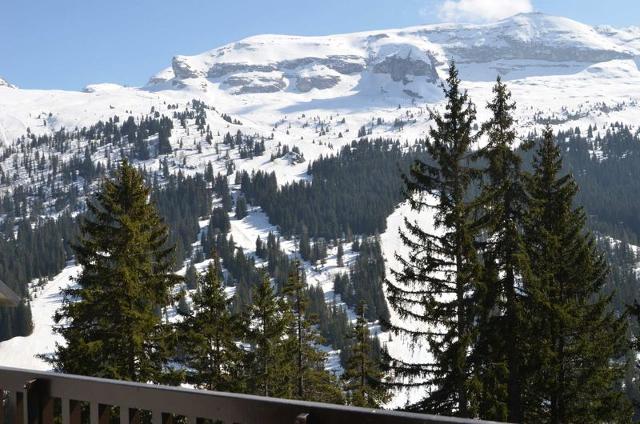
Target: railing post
x=94 y=415
x=134 y=416
x=39 y=402
x=10 y=408
x=104 y=414
x=100 y=414
x=124 y=414
x=75 y=412
x=20 y=406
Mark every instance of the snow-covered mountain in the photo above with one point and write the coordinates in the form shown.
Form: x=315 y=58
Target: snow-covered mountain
x=4 y=83
x=556 y=66
x=524 y=45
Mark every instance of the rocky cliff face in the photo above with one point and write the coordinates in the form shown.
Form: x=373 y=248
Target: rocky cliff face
x=401 y=62
x=304 y=74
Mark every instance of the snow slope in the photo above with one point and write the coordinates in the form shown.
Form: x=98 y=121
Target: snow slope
x=552 y=63
x=20 y=352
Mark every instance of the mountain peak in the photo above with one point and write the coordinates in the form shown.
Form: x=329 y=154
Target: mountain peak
x=396 y=63
x=5 y=83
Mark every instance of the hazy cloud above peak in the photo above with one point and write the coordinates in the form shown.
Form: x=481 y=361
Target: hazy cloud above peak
x=481 y=10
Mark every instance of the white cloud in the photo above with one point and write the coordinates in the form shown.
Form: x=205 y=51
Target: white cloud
x=481 y=10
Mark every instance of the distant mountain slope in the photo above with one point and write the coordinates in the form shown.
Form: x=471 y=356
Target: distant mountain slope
x=522 y=45
x=556 y=67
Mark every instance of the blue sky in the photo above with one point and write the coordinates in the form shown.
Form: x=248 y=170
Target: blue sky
x=68 y=44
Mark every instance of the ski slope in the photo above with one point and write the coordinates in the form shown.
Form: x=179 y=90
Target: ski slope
x=21 y=352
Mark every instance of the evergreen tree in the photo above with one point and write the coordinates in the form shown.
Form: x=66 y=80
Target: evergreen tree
x=164 y=145
x=268 y=364
x=308 y=379
x=241 y=207
x=183 y=307
x=212 y=357
x=191 y=277
x=340 y=254
x=575 y=341
x=437 y=281
x=305 y=244
x=363 y=378
x=219 y=221
x=499 y=354
x=110 y=321
x=141 y=150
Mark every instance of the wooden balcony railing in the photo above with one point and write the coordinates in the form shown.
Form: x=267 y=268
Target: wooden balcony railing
x=46 y=398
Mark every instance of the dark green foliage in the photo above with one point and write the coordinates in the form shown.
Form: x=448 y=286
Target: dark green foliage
x=438 y=277
x=191 y=277
x=364 y=282
x=183 y=307
x=279 y=264
x=268 y=364
x=219 y=221
x=607 y=182
x=241 y=207
x=345 y=194
x=308 y=379
x=577 y=337
x=221 y=188
x=363 y=379
x=164 y=145
x=261 y=250
x=38 y=252
x=340 y=255
x=242 y=268
x=182 y=202
x=498 y=354
x=138 y=133
x=209 y=335
x=109 y=321
x=318 y=251
x=333 y=321
x=305 y=244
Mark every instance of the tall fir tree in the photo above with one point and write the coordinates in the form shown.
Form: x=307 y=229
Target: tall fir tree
x=340 y=254
x=210 y=337
x=164 y=145
x=241 y=207
x=191 y=276
x=437 y=281
x=110 y=321
x=363 y=378
x=267 y=361
x=498 y=355
x=576 y=342
x=308 y=379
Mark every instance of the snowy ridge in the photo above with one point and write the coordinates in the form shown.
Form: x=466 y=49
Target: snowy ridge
x=552 y=63
x=4 y=83
x=527 y=41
